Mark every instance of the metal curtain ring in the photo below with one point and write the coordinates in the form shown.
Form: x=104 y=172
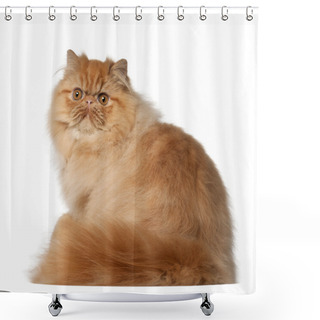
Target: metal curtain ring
x=180 y=14
x=7 y=16
x=28 y=16
x=249 y=16
x=160 y=16
x=51 y=15
x=224 y=13
x=138 y=16
x=116 y=17
x=93 y=17
x=203 y=12
x=73 y=16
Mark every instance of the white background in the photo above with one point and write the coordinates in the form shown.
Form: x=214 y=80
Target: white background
x=288 y=217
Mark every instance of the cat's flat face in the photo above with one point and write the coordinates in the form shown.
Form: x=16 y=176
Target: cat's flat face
x=94 y=96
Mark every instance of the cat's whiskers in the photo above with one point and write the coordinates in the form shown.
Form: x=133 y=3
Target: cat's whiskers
x=97 y=117
x=78 y=114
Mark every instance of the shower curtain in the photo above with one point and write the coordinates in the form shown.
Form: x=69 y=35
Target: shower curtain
x=195 y=66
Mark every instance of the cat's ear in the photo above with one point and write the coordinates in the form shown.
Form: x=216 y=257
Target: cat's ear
x=120 y=67
x=120 y=70
x=73 y=61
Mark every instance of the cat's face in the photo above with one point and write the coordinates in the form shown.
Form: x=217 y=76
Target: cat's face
x=94 y=96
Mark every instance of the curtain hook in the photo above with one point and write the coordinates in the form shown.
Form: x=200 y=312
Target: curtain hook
x=93 y=17
x=249 y=16
x=203 y=13
x=224 y=13
x=180 y=14
x=51 y=15
x=138 y=16
x=116 y=17
x=160 y=16
x=73 y=16
x=28 y=16
x=7 y=16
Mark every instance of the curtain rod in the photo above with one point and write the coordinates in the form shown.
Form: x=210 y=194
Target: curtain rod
x=126 y=7
x=118 y=10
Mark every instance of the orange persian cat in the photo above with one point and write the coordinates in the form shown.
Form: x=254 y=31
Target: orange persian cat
x=147 y=207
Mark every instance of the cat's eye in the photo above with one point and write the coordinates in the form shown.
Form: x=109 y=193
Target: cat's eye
x=103 y=98
x=77 y=94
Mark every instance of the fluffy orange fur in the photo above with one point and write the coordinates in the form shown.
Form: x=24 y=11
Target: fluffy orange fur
x=147 y=205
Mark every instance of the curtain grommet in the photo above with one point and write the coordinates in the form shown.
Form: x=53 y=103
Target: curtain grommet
x=7 y=15
x=160 y=16
x=224 y=13
x=203 y=13
x=116 y=17
x=93 y=17
x=180 y=13
x=73 y=11
x=249 y=16
x=138 y=16
x=52 y=10
x=27 y=11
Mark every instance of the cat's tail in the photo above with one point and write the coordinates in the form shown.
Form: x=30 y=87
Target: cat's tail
x=119 y=255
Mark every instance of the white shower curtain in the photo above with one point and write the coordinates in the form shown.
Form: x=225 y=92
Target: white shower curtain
x=200 y=74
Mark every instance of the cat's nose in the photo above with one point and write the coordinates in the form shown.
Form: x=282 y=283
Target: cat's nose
x=89 y=102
